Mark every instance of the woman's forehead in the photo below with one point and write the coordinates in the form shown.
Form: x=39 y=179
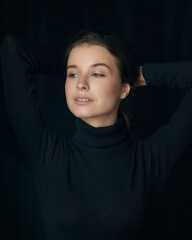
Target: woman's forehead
x=90 y=55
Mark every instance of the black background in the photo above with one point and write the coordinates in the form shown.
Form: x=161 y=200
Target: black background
x=158 y=31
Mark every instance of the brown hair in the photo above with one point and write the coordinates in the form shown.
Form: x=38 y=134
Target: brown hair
x=115 y=44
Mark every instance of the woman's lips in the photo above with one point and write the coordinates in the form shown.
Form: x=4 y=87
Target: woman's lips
x=83 y=100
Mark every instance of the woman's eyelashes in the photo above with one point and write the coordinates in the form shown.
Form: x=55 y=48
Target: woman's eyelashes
x=97 y=75
x=94 y=74
x=72 y=75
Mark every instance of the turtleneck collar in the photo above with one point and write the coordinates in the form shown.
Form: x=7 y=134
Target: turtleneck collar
x=101 y=136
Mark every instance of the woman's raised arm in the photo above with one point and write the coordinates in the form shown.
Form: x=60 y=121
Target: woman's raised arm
x=20 y=59
x=168 y=143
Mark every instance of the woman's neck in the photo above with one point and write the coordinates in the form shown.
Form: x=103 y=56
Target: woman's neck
x=99 y=121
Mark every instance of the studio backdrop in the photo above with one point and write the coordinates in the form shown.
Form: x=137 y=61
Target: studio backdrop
x=158 y=31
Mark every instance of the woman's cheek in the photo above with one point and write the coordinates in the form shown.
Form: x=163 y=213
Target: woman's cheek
x=68 y=88
x=112 y=90
x=67 y=92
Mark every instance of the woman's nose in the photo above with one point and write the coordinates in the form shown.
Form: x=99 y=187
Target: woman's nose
x=82 y=84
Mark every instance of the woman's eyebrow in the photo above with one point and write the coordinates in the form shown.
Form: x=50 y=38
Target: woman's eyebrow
x=101 y=64
x=93 y=65
x=72 y=66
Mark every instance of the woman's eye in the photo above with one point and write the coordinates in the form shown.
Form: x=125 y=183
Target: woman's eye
x=72 y=75
x=97 y=75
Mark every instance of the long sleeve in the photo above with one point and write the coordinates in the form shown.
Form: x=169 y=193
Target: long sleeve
x=168 y=143
x=20 y=59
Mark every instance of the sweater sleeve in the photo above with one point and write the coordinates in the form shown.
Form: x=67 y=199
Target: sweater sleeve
x=168 y=143
x=20 y=59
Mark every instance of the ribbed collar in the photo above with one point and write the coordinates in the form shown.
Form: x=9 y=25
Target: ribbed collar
x=102 y=136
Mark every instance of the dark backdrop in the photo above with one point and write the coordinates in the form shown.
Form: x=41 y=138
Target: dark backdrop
x=158 y=31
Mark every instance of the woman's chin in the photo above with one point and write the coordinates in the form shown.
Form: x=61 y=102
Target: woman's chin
x=82 y=115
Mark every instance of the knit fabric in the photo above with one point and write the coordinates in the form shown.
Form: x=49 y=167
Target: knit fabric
x=98 y=184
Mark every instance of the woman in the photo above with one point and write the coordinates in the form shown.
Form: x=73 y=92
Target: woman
x=98 y=184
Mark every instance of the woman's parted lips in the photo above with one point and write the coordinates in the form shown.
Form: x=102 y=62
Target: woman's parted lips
x=83 y=99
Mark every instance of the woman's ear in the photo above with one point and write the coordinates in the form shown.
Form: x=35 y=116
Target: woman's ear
x=125 y=90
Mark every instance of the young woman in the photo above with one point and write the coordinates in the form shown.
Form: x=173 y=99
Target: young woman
x=98 y=184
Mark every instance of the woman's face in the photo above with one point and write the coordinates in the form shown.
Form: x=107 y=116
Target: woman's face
x=93 y=85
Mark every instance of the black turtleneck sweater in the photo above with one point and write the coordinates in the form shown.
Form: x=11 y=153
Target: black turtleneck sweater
x=98 y=184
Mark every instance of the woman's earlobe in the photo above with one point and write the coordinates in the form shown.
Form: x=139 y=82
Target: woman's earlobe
x=125 y=91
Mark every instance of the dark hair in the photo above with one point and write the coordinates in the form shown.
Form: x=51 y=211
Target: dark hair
x=116 y=45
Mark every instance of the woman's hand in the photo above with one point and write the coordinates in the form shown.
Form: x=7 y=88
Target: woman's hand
x=140 y=81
